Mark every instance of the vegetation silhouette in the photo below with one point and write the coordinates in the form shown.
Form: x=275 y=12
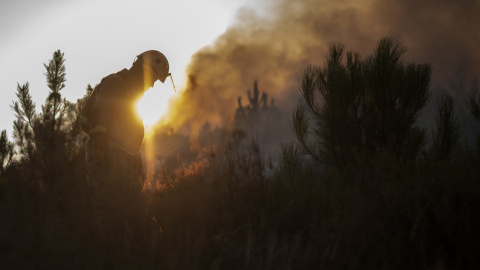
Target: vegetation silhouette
x=446 y=135
x=257 y=113
x=363 y=107
x=386 y=196
x=260 y=119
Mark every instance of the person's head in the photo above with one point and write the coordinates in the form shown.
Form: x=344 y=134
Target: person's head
x=153 y=66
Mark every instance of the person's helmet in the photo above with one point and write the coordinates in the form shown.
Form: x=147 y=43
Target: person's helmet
x=156 y=61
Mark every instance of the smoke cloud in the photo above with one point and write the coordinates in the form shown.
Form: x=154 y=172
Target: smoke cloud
x=274 y=43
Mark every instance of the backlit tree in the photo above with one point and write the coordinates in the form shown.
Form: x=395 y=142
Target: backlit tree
x=360 y=107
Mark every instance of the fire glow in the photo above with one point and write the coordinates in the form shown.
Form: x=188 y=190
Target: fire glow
x=155 y=103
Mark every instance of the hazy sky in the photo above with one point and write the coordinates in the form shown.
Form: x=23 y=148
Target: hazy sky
x=99 y=38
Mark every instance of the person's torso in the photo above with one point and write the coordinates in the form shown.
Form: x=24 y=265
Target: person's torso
x=124 y=126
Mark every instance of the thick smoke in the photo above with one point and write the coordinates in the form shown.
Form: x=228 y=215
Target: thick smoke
x=273 y=44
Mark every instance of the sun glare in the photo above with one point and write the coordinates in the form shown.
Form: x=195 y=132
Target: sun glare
x=154 y=104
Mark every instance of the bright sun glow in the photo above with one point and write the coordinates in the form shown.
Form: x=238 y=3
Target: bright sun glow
x=154 y=103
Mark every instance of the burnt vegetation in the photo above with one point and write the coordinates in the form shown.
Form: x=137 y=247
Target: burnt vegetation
x=363 y=186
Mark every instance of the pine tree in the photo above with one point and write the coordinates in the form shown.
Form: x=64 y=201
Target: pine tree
x=257 y=112
x=6 y=151
x=23 y=126
x=44 y=134
x=475 y=107
x=55 y=107
x=447 y=132
x=362 y=107
x=82 y=101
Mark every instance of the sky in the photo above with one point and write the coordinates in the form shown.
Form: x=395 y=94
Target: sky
x=99 y=38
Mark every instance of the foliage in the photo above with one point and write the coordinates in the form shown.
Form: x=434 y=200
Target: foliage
x=6 y=151
x=55 y=107
x=25 y=114
x=446 y=136
x=362 y=107
x=227 y=205
x=475 y=108
x=76 y=134
x=257 y=114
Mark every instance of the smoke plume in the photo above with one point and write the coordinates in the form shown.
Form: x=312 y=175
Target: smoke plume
x=274 y=43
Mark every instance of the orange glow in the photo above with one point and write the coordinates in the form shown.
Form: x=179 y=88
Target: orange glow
x=154 y=104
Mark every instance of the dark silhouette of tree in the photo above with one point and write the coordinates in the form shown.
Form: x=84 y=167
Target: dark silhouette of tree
x=464 y=90
x=257 y=113
x=42 y=175
x=475 y=107
x=41 y=138
x=81 y=102
x=76 y=132
x=446 y=134
x=23 y=126
x=55 y=107
x=6 y=151
x=261 y=120
x=362 y=107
